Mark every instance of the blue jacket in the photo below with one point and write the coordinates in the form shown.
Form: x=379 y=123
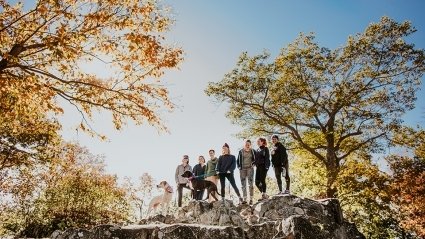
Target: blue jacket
x=226 y=163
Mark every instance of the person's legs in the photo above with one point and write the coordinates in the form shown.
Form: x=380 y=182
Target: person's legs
x=179 y=194
x=201 y=194
x=250 y=177
x=223 y=184
x=232 y=182
x=243 y=174
x=287 y=179
x=258 y=179
x=263 y=179
x=278 y=174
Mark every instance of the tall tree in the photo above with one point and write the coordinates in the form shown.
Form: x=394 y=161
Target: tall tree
x=44 y=53
x=331 y=103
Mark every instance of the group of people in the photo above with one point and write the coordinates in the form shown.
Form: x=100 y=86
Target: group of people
x=222 y=168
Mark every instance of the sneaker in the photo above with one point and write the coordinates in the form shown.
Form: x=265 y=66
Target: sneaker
x=279 y=193
x=286 y=192
x=241 y=201
x=265 y=196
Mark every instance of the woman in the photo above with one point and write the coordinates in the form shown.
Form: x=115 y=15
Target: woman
x=210 y=174
x=225 y=166
x=181 y=181
x=262 y=162
x=199 y=171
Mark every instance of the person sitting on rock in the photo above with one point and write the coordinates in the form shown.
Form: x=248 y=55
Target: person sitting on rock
x=226 y=165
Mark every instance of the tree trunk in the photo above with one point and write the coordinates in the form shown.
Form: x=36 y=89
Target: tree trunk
x=332 y=170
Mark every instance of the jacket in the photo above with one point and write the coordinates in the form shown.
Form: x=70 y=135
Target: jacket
x=226 y=163
x=239 y=161
x=262 y=157
x=210 y=169
x=279 y=157
x=179 y=171
x=198 y=170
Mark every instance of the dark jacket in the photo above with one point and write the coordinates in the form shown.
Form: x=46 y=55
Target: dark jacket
x=239 y=161
x=226 y=163
x=198 y=170
x=280 y=157
x=262 y=157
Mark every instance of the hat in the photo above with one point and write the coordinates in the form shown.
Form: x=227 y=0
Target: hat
x=226 y=145
x=185 y=156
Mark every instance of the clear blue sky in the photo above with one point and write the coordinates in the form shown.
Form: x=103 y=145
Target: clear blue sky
x=213 y=34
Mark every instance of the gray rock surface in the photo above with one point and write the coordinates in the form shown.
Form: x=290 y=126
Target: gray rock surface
x=280 y=217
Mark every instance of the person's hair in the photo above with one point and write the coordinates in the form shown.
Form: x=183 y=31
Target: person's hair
x=247 y=141
x=275 y=137
x=211 y=150
x=263 y=141
x=202 y=158
x=227 y=146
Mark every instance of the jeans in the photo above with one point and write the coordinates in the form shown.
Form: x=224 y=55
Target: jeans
x=278 y=171
x=198 y=195
x=213 y=179
x=232 y=182
x=180 y=193
x=260 y=178
x=247 y=174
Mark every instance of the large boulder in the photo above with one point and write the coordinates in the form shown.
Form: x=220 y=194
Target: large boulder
x=280 y=217
x=154 y=231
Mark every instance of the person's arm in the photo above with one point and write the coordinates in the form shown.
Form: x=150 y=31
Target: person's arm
x=217 y=167
x=267 y=159
x=239 y=160
x=177 y=175
x=233 y=164
x=195 y=170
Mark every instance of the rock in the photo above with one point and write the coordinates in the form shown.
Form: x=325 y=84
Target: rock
x=280 y=217
x=162 y=231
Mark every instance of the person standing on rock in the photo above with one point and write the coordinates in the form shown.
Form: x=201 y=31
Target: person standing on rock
x=210 y=173
x=199 y=171
x=280 y=164
x=262 y=164
x=226 y=165
x=245 y=161
x=181 y=181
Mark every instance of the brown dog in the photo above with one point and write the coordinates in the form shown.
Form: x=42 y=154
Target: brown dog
x=200 y=184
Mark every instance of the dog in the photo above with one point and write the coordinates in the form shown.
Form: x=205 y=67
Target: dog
x=161 y=200
x=201 y=184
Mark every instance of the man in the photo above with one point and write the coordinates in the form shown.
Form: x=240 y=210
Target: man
x=280 y=164
x=246 y=158
x=181 y=181
x=210 y=173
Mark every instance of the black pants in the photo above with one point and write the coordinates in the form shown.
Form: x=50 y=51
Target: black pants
x=260 y=178
x=232 y=182
x=180 y=193
x=198 y=195
x=278 y=173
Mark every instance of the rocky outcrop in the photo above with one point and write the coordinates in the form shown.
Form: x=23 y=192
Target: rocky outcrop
x=283 y=217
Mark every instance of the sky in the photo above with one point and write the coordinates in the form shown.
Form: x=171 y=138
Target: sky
x=213 y=34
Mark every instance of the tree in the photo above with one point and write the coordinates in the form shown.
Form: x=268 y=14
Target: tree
x=408 y=186
x=140 y=193
x=72 y=191
x=330 y=103
x=47 y=47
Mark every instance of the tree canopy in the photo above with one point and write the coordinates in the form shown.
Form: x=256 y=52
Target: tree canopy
x=332 y=103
